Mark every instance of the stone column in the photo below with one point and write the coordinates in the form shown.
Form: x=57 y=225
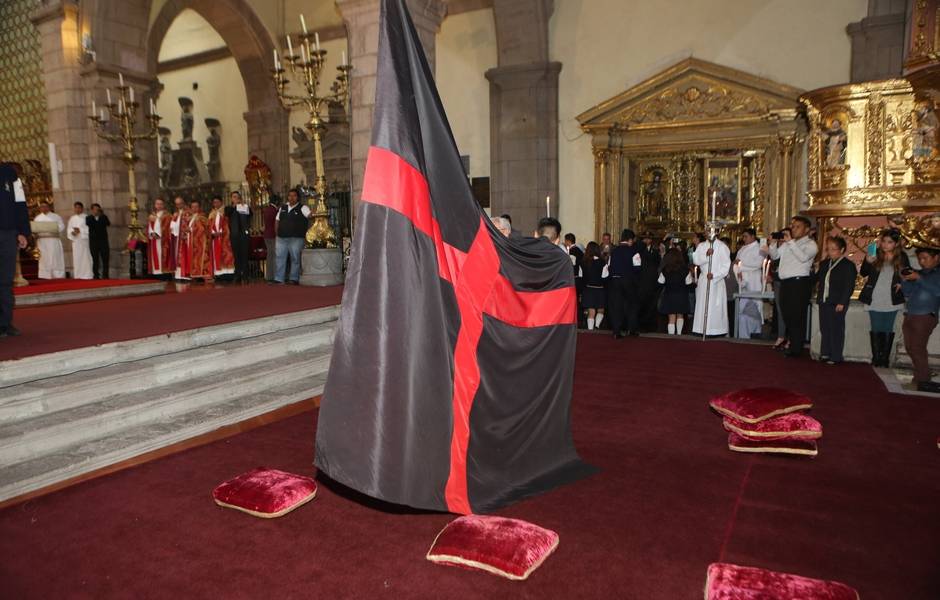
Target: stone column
x=268 y=139
x=362 y=26
x=524 y=141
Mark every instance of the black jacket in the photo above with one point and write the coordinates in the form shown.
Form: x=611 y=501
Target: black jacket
x=841 y=282
x=13 y=215
x=621 y=261
x=98 y=229
x=239 y=225
x=869 y=271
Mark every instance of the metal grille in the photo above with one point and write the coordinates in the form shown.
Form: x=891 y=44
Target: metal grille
x=22 y=93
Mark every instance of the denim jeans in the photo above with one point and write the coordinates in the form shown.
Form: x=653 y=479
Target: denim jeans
x=288 y=248
x=882 y=320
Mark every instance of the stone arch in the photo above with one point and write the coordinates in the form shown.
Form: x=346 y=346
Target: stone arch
x=252 y=48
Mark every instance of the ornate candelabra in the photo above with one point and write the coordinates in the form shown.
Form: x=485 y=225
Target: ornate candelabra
x=124 y=114
x=308 y=66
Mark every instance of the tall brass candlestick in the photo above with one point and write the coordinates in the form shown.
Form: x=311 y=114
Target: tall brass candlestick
x=308 y=66
x=124 y=113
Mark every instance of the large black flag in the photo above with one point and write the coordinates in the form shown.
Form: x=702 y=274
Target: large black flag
x=451 y=376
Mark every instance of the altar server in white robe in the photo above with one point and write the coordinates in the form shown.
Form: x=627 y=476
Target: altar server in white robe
x=750 y=272
x=51 y=255
x=81 y=252
x=717 y=296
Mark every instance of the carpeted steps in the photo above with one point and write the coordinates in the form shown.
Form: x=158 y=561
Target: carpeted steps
x=65 y=425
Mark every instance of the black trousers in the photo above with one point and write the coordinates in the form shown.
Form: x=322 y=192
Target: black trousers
x=832 y=331
x=241 y=249
x=8 y=250
x=794 y=301
x=623 y=304
x=100 y=255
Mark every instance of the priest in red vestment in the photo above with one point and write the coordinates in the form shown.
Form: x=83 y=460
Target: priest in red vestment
x=200 y=261
x=223 y=261
x=158 y=232
x=179 y=240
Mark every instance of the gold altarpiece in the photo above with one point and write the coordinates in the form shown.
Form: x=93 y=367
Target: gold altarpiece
x=663 y=147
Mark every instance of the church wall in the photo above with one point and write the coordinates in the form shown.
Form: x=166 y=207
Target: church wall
x=466 y=49
x=607 y=46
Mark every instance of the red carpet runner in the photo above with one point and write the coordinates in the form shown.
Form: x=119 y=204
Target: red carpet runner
x=65 y=326
x=670 y=499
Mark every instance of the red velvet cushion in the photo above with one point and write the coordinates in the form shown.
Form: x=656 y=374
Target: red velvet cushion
x=757 y=404
x=779 y=446
x=731 y=582
x=792 y=425
x=265 y=493
x=507 y=547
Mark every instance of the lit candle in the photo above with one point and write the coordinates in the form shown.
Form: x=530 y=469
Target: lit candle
x=316 y=41
x=714 y=200
x=290 y=46
x=108 y=92
x=344 y=58
x=303 y=23
x=548 y=206
x=94 y=108
x=121 y=79
x=132 y=95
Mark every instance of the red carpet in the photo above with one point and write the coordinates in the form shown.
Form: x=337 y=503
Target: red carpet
x=65 y=326
x=41 y=286
x=670 y=499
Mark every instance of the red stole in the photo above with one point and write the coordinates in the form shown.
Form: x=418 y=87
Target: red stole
x=223 y=261
x=182 y=257
x=200 y=265
x=158 y=248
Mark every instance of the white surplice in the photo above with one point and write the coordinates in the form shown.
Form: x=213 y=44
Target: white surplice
x=81 y=254
x=51 y=254
x=751 y=266
x=717 y=295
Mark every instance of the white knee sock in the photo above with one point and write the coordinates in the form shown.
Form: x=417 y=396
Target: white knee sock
x=679 y=324
x=597 y=319
x=671 y=328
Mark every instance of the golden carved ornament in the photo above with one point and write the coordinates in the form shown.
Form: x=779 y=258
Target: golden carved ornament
x=919 y=231
x=875 y=138
x=694 y=103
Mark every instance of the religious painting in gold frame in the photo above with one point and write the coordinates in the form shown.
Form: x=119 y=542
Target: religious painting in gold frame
x=726 y=180
x=654 y=193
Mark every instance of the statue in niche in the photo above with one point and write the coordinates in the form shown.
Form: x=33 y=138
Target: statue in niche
x=213 y=142
x=654 y=194
x=187 y=120
x=166 y=154
x=836 y=140
x=925 y=124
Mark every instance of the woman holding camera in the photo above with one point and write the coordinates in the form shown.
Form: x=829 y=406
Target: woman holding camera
x=882 y=294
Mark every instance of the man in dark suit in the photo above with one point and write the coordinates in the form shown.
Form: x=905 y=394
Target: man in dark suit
x=14 y=229
x=239 y=224
x=649 y=286
x=98 y=243
x=623 y=299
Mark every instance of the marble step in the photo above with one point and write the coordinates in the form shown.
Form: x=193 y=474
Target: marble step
x=24 y=439
x=55 y=364
x=91 y=454
x=66 y=392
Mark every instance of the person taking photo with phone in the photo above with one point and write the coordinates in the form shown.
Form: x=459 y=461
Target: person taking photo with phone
x=882 y=294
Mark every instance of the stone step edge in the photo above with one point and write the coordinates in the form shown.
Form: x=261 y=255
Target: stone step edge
x=43 y=366
x=12 y=449
x=19 y=400
x=16 y=492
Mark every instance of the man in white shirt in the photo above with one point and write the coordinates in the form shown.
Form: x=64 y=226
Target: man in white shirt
x=750 y=274
x=51 y=255
x=81 y=253
x=796 y=261
x=713 y=277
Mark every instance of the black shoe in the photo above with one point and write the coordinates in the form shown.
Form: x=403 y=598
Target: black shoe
x=790 y=354
x=292 y=282
x=928 y=386
x=10 y=331
x=886 y=349
x=634 y=334
x=619 y=336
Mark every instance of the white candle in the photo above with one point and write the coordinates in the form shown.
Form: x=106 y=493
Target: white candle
x=316 y=41
x=101 y=114
x=121 y=79
x=714 y=199
x=303 y=24
x=303 y=54
x=132 y=95
x=108 y=92
x=548 y=206
x=344 y=58
x=94 y=108
x=153 y=109
x=290 y=46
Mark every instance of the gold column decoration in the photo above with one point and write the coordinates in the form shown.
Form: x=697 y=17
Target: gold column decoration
x=601 y=202
x=875 y=139
x=308 y=66
x=123 y=113
x=760 y=193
